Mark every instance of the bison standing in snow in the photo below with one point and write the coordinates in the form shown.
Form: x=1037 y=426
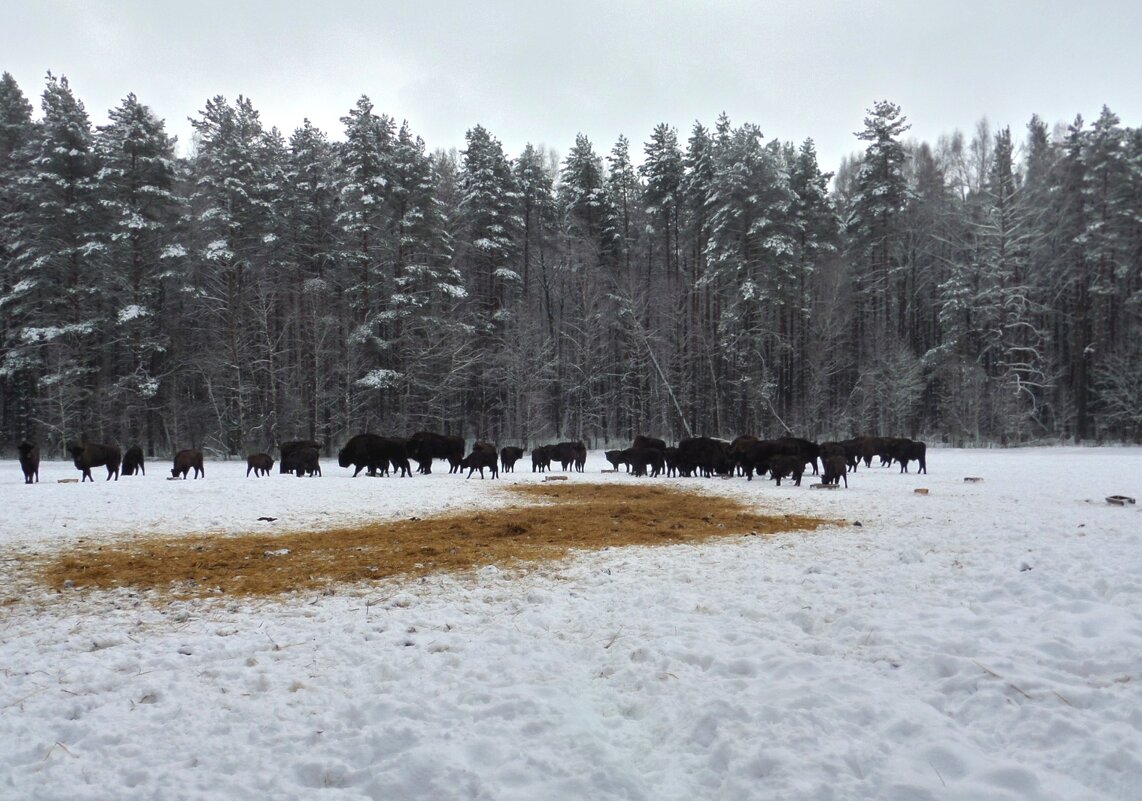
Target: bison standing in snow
x=187 y=460
x=89 y=456
x=29 y=461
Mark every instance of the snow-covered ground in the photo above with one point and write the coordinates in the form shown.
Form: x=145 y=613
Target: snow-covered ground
x=983 y=641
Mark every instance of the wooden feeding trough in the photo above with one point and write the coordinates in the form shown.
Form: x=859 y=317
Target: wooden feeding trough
x=1119 y=500
x=67 y=480
x=555 y=478
x=921 y=490
x=825 y=486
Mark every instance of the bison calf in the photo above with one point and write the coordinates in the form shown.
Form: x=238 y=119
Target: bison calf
x=187 y=460
x=835 y=468
x=260 y=463
x=482 y=455
x=787 y=466
x=30 y=461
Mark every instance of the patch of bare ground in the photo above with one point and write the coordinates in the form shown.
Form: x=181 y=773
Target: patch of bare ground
x=547 y=524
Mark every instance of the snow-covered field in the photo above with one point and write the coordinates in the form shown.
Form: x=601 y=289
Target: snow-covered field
x=981 y=642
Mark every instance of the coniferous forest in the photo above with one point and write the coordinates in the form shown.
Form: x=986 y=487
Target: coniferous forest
x=980 y=289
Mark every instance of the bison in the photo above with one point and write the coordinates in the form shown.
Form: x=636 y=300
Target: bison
x=424 y=446
x=835 y=468
x=302 y=462
x=374 y=452
x=260 y=463
x=482 y=455
x=906 y=450
x=133 y=462
x=617 y=457
x=704 y=455
x=286 y=448
x=570 y=455
x=640 y=459
x=187 y=460
x=89 y=456
x=509 y=455
x=787 y=466
x=29 y=461
x=541 y=459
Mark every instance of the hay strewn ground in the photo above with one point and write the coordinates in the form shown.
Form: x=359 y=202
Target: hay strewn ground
x=553 y=520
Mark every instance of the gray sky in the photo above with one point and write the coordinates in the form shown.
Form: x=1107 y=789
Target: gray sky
x=540 y=72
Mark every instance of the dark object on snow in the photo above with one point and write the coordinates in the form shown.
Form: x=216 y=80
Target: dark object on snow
x=187 y=460
x=509 y=455
x=1119 y=500
x=302 y=462
x=89 y=456
x=541 y=459
x=268 y=519
x=482 y=455
x=291 y=446
x=133 y=462
x=835 y=468
x=569 y=455
x=375 y=453
x=260 y=463
x=424 y=446
x=29 y=461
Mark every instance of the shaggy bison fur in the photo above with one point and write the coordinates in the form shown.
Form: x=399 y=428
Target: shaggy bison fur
x=187 y=460
x=89 y=456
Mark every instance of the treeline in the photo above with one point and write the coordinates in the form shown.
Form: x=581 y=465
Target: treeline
x=265 y=288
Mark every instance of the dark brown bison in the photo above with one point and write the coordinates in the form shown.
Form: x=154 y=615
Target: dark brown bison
x=89 y=456
x=787 y=467
x=29 y=461
x=807 y=449
x=835 y=468
x=906 y=450
x=541 y=459
x=509 y=455
x=570 y=455
x=133 y=462
x=739 y=449
x=617 y=457
x=260 y=463
x=642 y=459
x=424 y=446
x=705 y=456
x=758 y=456
x=286 y=448
x=187 y=460
x=302 y=462
x=482 y=455
x=374 y=453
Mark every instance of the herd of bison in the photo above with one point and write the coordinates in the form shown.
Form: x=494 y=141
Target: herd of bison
x=786 y=457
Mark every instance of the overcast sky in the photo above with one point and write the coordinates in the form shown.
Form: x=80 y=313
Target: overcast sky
x=541 y=72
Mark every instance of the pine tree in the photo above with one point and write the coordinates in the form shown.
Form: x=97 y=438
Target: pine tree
x=17 y=388
x=136 y=189
x=876 y=253
x=56 y=305
x=663 y=172
x=236 y=264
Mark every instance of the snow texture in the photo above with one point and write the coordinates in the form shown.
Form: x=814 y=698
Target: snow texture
x=983 y=641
